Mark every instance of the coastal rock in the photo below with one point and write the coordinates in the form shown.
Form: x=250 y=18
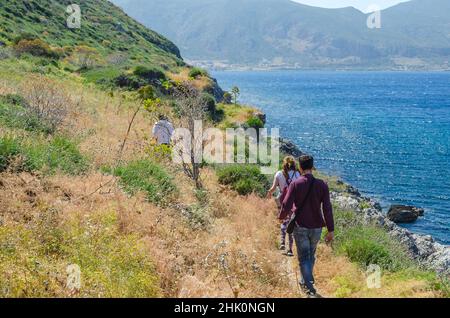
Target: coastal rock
x=440 y=259
x=345 y=202
x=352 y=190
x=424 y=245
x=215 y=90
x=289 y=148
x=404 y=213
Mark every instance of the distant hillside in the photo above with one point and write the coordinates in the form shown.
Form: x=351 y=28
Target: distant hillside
x=414 y=35
x=104 y=27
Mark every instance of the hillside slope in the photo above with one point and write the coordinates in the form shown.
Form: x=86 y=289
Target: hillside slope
x=284 y=33
x=104 y=26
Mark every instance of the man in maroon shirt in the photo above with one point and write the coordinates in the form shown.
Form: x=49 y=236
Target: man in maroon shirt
x=314 y=213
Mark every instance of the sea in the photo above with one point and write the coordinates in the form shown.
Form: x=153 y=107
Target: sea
x=386 y=133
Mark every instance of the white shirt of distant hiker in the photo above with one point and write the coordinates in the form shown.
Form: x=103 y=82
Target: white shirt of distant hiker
x=162 y=131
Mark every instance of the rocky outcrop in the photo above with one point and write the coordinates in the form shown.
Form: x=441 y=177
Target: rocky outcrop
x=423 y=248
x=289 y=148
x=215 y=90
x=404 y=213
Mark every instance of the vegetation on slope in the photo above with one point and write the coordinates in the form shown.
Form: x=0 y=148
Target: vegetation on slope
x=105 y=28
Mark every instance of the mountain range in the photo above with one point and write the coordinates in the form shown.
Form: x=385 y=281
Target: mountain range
x=285 y=34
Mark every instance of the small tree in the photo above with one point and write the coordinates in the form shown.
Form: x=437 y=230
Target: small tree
x=236 y=92
x=192 y=107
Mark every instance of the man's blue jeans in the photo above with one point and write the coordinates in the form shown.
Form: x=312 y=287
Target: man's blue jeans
x=306 y=241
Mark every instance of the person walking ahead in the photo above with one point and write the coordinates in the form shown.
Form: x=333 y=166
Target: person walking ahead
x=282 y=180
x=312 y=215
x=162 y=131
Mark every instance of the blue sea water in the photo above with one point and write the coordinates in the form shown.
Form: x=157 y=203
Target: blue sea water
x=386 y=133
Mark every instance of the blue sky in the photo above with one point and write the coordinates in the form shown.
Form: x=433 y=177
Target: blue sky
x=359 y=4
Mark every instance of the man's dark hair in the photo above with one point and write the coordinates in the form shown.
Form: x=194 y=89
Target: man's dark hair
x=306 y=162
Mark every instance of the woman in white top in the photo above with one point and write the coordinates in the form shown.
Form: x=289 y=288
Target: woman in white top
x=162 y=131
x=282 y=180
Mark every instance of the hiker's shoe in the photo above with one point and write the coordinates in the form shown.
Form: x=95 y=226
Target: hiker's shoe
x=289 y=253
x=304 y=288
x=313 y=294
x=282 y=247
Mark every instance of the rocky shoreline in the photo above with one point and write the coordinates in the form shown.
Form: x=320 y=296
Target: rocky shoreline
x=423 y=248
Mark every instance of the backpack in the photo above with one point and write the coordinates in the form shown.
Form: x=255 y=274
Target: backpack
x=285 y=190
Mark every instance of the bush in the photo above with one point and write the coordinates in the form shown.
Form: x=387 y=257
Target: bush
x=5 y=53
x=35 y=47
x=14 y=114
x=24 y=36
x=196 y=72
x=14 y=99
x=150 y=74
x=214 y=113
x=227 y=98
x=368 y=244
x=85 y=57
x=149 y=177
x=254 y=122
x=47 y=100
x=244 y=179
x=130 y=82
x=103 y=76
x=58 y=154
x=9 y=148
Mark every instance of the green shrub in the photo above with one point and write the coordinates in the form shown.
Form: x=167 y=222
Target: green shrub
x=13 y=99
x=196 y=72
x=24 y=36
x=197 y=215
x=130 y=82
x=150 y=74
x=243 y=178
x=368 y=244
x=214 y=113
x=9 y=148
x=227 y=98
x=103 y=76
x=58 y=154
x=35 y=47
x=254 y=122
x=14 y=113
x=149 y=177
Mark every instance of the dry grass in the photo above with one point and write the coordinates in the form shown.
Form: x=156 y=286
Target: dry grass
x=234 y=256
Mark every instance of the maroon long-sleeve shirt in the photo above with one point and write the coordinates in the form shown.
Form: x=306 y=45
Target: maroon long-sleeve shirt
x=317 y=211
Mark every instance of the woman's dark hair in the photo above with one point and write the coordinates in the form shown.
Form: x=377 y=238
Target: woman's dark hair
x=306 y=162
